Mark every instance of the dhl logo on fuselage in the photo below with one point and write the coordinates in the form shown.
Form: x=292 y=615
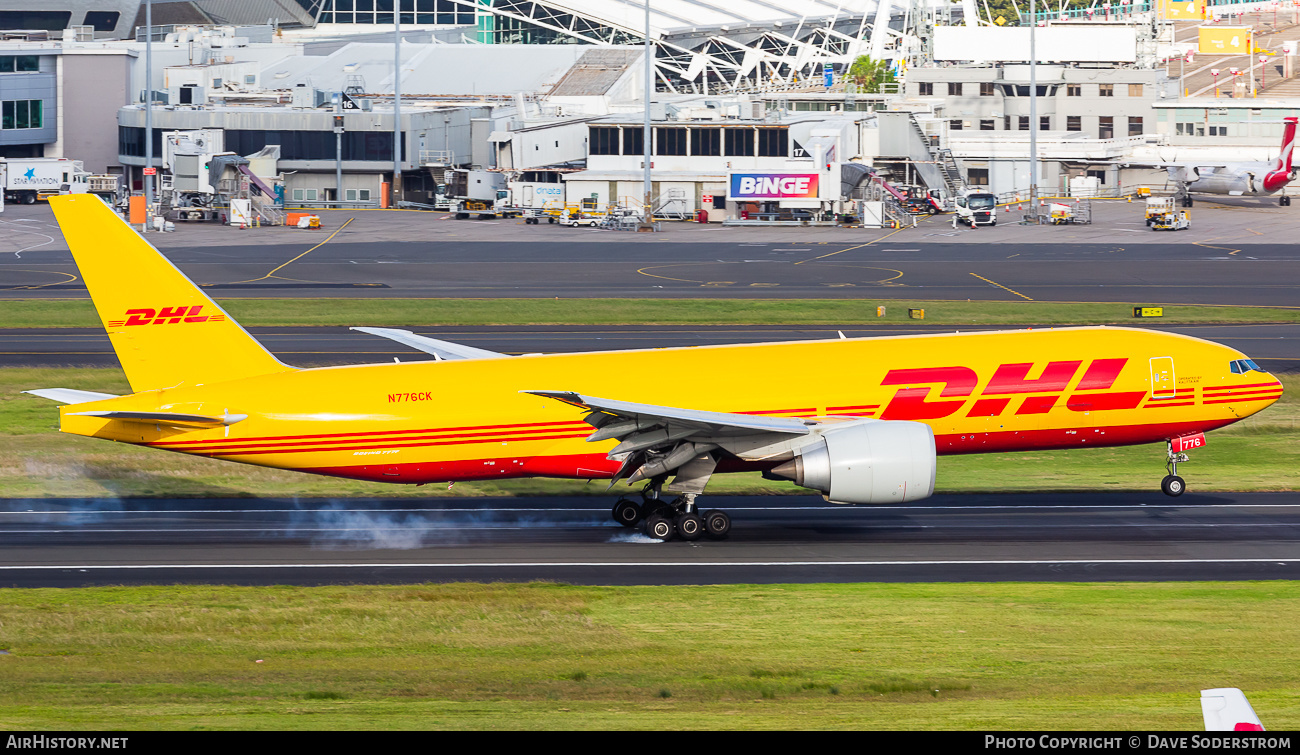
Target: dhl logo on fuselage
x=165 y=316
x=1009 y=381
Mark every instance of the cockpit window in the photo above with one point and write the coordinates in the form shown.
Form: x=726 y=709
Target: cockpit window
x=1242 y=366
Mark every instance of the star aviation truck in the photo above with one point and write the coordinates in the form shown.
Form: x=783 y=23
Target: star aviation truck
x=31 y=178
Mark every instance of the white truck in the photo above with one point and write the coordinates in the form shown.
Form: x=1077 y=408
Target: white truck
x=976 y=208
x=30 y=178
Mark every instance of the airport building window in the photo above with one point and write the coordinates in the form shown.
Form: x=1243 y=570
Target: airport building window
x=670 y=141
x=102 y=20
x=1105 y=90
x=1022 y=123
x=1044 y=123
x=977 y=176
x=18 y=114
x=1074 y=90
x=954 y=125
x=925 y=88
x=1134 y=90
x=987 y=89
x=954 y=89
x=1189 y=129
x=706 y=141
x=1135 y=125
x=634 y=141
x=773 y=142
x=1218 y=130
x=381 y=12
x=1073 y=123
x=1106 y=127
x=19 y=63
x=739 y=142
x=49 y=20
x=604 y=140
x=986 y=124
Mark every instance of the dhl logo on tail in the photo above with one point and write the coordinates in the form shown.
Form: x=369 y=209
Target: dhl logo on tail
x=165 y=316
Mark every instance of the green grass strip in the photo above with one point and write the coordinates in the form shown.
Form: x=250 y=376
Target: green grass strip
x=1053 y=657
x=32 y=313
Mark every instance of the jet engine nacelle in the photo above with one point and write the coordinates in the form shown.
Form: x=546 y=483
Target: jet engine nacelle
x=870 y=461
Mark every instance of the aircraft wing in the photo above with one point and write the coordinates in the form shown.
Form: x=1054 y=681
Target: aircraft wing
x=660 y=440
x=70 y=395
x=168 y=418
x=439 y=349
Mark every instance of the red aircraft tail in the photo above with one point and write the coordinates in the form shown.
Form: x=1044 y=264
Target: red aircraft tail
x=1288 y=144
x=1280 y=176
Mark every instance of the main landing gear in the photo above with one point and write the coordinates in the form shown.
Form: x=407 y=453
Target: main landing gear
x=1173 y=485
x=677 y=518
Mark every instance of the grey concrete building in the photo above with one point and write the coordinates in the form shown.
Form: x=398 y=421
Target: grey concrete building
x=60 y=102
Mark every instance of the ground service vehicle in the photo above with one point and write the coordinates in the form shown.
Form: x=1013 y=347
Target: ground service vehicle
x=1157 y=206
x=1171 y=221
x=976 y=208
x=860 y=420
x=478 y=192
x=32 y=178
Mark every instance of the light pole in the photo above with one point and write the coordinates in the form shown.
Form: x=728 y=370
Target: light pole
x=1215 y=73
x=397 y=104
x=148 y=110
x=1033 y=112
x=645 y=135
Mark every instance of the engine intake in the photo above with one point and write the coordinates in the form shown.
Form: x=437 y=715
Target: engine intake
x=871 y=461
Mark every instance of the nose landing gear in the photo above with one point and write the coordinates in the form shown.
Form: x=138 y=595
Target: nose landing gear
x=1173 y=485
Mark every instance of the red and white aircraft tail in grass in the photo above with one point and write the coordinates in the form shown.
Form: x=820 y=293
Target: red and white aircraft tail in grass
x=1239 y=179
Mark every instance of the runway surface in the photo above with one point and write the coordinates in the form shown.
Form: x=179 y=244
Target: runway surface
x=1035 y=537
x=925 y=268
x=1274 y=347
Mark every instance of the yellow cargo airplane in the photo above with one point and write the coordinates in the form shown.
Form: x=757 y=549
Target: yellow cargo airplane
x=860 y=420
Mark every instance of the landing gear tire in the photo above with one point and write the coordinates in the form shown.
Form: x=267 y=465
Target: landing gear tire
x=1284 y=201
x=689 y=526
x=627 y=513
x=717 y=525
x=659 y=528
x=1173 y=485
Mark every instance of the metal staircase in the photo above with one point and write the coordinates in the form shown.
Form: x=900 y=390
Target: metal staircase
x=951 y=172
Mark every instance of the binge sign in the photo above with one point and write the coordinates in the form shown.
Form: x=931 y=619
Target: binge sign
x=773 y=186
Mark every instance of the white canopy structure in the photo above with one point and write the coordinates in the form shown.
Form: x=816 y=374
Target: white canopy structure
x=721 y=45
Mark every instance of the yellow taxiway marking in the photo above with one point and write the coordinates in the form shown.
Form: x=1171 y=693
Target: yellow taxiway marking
x=859 y=246
x=70 y=279
x=1229 y=249
x=1004 y=288
x=272 y=274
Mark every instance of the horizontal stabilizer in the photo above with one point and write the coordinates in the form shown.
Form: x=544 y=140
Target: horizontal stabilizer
x=1227 y=709
x=440 y=349
x=70 y=395
x=168 y=418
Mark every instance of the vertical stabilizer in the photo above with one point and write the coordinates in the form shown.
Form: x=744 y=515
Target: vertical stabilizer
x=1227 y=709
x=166 y=332
x=1288 y=144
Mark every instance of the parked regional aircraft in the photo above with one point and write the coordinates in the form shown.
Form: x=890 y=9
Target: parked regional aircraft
x=860 y=420
x=1227 y=709
x=1237 y=179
